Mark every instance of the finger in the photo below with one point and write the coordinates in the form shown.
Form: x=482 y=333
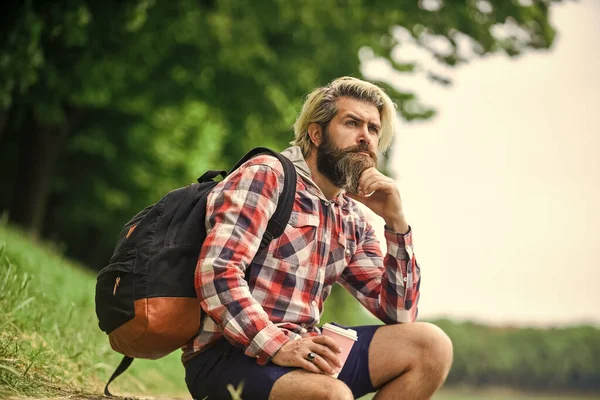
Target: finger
x=364 y=188
x=308 y=365
x=327 y=341
x=371 y=176
x=323 y=365
x=327 y=354
x=371 y=171
x=371 y=186
x=368 y=173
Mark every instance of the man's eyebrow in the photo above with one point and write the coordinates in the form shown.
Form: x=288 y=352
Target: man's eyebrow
x=353 y=116
x=356 y=117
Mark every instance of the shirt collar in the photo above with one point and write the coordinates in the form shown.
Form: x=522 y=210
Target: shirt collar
x=294 y=154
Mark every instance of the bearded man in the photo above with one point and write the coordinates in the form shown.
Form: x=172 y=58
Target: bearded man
x=264 y=332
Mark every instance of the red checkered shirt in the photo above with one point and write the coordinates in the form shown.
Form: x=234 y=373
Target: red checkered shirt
x=324 y=242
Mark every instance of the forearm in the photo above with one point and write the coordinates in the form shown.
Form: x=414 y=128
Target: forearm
x=387 y=286
x=397 y=224
x=241 y=318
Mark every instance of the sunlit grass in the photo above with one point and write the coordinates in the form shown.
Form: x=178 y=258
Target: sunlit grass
x=49 y=337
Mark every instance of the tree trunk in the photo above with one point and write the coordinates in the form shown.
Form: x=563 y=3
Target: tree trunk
x=3 y=120
x=9 y=119
x=38 y=153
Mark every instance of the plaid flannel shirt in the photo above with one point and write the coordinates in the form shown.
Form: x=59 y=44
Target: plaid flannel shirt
x=325 y=241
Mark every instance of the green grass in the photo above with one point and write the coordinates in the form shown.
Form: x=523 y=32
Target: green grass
x=49 y=337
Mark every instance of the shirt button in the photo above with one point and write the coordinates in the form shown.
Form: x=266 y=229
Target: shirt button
x=303 y=325
x=314 y=303
x=257 y=356
x=326 y=203
x=405 y=279
x=348 y=251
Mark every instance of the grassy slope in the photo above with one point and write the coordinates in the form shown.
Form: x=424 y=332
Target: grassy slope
x=49 y=336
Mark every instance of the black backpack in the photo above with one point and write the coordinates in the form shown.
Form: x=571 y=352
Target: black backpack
x=145 y=298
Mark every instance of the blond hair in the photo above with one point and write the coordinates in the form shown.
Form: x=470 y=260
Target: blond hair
x=320 y=107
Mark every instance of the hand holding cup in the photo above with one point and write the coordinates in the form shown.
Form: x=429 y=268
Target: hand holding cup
x=324 y=355
x=344 y=338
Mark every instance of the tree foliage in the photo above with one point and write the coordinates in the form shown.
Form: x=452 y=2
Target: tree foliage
x=531 y=359
x=104 y=106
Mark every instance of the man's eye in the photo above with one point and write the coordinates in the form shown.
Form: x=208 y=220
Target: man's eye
x=374 y=130
x=351 y=123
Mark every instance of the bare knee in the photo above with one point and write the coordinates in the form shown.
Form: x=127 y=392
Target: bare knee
x=434 y=349
x=336 y=390
x=300 y=385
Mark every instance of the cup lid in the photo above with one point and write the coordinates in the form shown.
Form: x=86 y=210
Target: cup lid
x=350 y=333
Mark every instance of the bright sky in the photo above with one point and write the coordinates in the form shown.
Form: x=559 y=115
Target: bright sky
x=502 y=188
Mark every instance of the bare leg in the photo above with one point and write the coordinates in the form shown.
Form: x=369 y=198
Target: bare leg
x=302 y=385
x=409 y=361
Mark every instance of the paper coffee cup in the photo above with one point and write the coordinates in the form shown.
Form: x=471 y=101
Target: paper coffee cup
x=345 y=339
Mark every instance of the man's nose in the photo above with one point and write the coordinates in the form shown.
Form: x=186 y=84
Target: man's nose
x=364 y=136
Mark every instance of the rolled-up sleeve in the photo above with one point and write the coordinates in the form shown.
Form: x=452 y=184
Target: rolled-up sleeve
x=387 y=286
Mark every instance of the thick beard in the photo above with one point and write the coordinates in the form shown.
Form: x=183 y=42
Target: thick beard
x=343 y=167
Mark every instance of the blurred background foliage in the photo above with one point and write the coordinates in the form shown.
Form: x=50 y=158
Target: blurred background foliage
x=106 y=106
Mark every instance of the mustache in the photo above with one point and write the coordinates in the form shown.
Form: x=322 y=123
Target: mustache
x=360 y=148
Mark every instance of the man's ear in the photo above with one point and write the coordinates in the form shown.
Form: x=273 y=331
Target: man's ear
x=315 y=133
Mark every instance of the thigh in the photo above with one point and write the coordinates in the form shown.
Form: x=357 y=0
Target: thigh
x=209 y=374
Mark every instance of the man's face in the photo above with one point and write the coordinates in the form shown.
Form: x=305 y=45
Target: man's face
x=349 y=143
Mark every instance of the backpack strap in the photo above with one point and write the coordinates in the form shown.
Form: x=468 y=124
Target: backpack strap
x=285 y=203
x=282 y=213
x=125 y=363
x=211 y=174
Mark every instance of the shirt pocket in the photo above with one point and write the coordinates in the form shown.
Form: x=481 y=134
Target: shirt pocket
x=297 y=244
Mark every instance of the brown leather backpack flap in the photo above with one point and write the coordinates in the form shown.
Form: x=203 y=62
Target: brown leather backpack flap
x=161 y=326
